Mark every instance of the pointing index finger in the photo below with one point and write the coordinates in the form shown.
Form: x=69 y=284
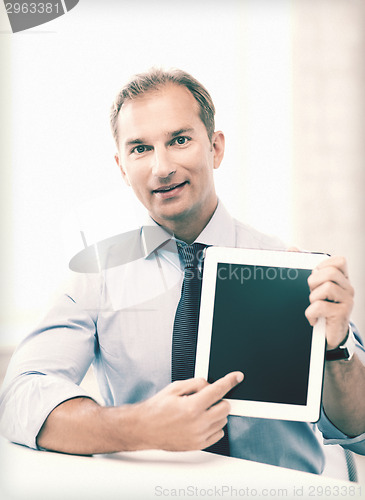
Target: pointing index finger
x=213 y=393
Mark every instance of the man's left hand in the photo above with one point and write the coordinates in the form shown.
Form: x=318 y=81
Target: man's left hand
x=331 y=296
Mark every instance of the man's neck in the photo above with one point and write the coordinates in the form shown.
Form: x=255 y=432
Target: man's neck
x=188 y=236
x=188 y=229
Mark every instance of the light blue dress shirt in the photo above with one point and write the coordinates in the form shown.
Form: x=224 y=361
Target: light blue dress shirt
x=118 y=314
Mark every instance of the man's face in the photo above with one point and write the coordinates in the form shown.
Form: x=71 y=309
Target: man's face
x=165 y=154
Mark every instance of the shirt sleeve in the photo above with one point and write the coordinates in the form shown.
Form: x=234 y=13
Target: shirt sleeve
x=50 y=363
x=331 y=434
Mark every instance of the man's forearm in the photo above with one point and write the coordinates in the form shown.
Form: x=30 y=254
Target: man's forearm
x=185 y=415
x=82 y=427
x=344 y=395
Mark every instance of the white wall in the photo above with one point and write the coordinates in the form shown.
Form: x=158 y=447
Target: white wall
x=328 y=202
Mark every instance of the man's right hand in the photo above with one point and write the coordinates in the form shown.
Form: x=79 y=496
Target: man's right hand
x=185 y=415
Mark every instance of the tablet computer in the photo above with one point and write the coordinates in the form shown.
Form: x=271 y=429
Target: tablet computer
x=252 y=319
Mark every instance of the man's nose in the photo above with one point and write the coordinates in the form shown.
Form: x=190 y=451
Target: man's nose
x=161 y=166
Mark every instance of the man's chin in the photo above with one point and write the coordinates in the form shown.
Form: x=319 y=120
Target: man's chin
x=171 y=216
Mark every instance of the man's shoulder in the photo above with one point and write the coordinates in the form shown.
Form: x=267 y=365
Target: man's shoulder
x=249 y=237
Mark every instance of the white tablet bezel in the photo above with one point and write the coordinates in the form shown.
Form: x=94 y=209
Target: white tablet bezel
x=296 y=260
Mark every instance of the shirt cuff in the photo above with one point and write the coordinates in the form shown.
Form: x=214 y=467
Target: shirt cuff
x=28 y=405
x=356 y=444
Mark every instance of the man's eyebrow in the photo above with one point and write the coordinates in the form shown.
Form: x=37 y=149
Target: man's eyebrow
x=181 y=131
x=130 y=142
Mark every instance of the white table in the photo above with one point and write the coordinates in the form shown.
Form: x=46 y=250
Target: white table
x=28 y=474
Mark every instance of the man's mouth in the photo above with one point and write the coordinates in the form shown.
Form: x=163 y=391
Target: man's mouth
x=171 y=187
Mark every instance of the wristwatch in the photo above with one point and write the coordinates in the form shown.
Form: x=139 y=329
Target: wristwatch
x=344 y=351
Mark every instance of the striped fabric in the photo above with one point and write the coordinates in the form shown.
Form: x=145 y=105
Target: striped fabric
x=187 y=315
x=184 y=339
x=351 y=466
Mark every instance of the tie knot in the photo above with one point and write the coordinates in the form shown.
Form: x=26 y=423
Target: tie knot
x=191 y=255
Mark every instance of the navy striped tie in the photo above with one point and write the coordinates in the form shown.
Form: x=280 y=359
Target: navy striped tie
x=185 y=332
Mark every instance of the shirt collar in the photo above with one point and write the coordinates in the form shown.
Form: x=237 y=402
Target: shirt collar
x=153 y=236
x=220 y=231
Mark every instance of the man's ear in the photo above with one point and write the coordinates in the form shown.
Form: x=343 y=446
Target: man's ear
x=218 y=144
x=123 y=172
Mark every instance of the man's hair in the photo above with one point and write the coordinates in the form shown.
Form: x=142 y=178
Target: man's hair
x=156 y=79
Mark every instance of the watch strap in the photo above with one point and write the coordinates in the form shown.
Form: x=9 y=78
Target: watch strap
x=344 y=351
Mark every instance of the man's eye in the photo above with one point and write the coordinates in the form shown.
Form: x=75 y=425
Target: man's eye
x=180 y=140
x=139 y=149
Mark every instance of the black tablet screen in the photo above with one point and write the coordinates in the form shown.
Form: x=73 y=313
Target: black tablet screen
x=259 y=327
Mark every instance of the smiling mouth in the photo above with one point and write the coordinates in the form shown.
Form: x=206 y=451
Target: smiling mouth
x=169 y=188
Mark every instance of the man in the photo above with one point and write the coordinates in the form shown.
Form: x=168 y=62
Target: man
x=123 y=318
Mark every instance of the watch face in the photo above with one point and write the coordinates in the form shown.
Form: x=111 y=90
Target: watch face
x=336 y=354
